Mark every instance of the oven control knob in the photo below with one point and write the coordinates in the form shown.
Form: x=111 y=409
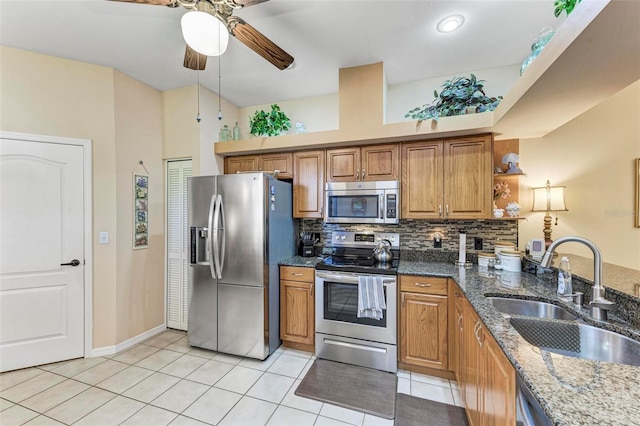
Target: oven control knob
x=393 y=239
x=337 y=237
x=379 y=238
x=343 y=237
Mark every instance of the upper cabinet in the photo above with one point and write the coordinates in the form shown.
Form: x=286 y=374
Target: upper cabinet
x=450 y=179
x=261 y=163
x=367 y=163
x=308 y=184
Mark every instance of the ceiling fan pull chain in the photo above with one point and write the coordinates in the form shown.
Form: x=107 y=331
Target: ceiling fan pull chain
x=198 y=119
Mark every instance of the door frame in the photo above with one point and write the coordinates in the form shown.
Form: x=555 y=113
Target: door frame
x=87 y=223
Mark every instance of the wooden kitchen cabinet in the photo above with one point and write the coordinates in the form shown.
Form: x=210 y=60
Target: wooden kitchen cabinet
x=242 y=163
x=488 y=378
x=264 y=162
x=423 y=322
x=308 y=184
x=297 y=307
x=450 y=179
x=456 y=315
x=366 y=163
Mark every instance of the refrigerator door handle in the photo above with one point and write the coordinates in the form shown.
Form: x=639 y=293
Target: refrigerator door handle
x=218 y=249
x=209 y=247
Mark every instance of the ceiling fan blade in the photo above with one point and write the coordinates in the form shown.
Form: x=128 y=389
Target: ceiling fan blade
x=260 y=44
x=247 y=3
x=170 y=3
x=194 y=60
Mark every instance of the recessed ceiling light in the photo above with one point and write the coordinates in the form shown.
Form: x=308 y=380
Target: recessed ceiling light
x=450 y=23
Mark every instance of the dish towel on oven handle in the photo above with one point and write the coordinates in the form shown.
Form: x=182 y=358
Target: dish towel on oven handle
x=370 y=297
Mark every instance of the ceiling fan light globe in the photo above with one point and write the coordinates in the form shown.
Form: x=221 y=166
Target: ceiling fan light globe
x=204 y=33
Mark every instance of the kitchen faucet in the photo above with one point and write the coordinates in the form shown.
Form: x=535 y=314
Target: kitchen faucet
x=598 y=305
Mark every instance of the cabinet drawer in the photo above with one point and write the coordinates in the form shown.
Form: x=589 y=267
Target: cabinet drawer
x=296 y=273
x=427 y=285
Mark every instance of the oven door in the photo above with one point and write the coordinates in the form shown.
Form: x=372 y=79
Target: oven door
x=337 y=307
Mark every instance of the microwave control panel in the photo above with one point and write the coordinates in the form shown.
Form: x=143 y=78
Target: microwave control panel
x=391 y=206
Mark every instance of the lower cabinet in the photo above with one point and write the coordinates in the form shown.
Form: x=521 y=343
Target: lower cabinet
x=456 y=315
x=297 y=307
x=423 y=321
x=487 y=377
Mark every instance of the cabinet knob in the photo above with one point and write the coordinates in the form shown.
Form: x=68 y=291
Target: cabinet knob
x=296 y=274
x=422 y=285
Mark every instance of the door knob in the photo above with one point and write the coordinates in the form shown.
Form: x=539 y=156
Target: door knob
x=74 y=262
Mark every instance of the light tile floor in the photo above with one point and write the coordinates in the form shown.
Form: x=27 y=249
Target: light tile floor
x=164 y=381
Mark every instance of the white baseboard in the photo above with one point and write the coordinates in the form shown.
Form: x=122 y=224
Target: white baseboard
x=110 y=350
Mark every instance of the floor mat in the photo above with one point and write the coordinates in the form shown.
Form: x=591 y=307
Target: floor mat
x=412 y=411
x=357 y=388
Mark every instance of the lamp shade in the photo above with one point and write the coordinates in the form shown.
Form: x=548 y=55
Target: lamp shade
x=204 y=33
x=549 y=199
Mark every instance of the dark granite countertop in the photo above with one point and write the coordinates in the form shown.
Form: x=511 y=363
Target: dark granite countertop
x=309 y=262
x=572 y=391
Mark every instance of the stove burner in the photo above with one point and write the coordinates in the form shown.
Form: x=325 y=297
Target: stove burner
x=353 y=252
x=365 y=265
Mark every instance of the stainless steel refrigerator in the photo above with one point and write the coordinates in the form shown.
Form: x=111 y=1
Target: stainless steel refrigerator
x=240 y=227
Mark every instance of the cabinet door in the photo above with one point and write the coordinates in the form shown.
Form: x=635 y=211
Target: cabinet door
x=423 y=330
x=471 y=366
x=422 y=180
x=297 y=312
x=379 y=162
x=499 y=399
x=343 y=165
x=455 y=328
x=281 y=161
x=308 y=184
x=468 y=179
x=243 y=163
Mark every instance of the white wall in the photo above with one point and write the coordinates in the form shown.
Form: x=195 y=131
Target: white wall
x=593 y=156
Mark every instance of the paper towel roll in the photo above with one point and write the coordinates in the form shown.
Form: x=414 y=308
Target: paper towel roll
x=462 y=253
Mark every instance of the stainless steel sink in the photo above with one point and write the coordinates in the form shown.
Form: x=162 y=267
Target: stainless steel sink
x=530 y=308
x=579 y=340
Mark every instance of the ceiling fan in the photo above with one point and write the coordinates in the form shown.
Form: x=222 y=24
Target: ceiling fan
x=245 y=33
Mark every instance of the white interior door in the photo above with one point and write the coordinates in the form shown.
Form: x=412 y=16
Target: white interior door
x=41 y=227
x=177 y=244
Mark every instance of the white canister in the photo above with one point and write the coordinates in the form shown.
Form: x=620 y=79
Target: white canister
x=511 y=260
x=500 y=246
x=483 y=258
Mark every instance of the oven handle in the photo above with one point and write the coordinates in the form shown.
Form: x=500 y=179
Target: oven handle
x=351 y=279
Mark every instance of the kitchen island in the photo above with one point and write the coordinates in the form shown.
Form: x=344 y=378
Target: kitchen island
x=571 y=391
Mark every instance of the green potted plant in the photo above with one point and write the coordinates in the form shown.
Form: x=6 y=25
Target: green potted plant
x=457 y=96
x=566 y=5
x=272 y=123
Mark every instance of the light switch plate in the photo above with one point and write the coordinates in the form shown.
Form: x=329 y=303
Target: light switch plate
x=103 y=237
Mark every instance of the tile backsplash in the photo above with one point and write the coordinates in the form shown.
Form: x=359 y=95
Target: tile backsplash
x=418 y=234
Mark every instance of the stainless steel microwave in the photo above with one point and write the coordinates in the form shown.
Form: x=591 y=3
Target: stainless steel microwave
x=362 y=202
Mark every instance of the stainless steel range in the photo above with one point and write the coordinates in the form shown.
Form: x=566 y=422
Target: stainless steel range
x=340 y=334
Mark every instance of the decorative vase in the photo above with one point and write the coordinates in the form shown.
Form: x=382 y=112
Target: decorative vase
x=498 y=212
x=513 y=209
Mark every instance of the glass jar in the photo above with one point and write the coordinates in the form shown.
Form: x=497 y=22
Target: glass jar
x=539 y=43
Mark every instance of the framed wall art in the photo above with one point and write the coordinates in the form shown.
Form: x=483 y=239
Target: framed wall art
x=140 y=210
x=636 y=206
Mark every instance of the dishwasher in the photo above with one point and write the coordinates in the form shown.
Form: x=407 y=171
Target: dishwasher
x=529 y=412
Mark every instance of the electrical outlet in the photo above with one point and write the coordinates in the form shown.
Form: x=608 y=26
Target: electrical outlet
x=477 y=243
x=437 y=240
